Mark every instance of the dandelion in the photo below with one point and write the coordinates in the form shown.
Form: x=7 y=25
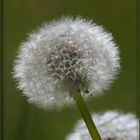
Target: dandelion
x=64 y=52
x=64 y=59
x=112 y=125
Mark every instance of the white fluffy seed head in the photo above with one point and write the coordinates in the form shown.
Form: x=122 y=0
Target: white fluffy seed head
x=64 y=52
x=112 y=125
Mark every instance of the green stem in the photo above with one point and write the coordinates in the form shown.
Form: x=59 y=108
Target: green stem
x=86 y=115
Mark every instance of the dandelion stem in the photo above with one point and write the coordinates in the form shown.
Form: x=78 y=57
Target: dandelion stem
x=86 y=115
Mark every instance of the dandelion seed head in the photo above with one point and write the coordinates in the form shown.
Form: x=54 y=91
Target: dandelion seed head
x=64 y=52
x=112 y=125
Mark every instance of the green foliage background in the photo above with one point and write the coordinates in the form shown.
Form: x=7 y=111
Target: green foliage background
x=24 y=121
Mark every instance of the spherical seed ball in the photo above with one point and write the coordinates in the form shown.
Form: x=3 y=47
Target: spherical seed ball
x=64 y=53
x=112 y=125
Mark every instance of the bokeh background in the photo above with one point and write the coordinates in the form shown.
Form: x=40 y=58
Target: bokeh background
x=24 y=121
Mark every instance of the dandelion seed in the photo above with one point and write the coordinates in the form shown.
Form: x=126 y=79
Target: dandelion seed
x=64 y=53
x=112 y=125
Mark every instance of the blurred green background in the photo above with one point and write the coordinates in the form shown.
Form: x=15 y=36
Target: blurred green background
x=24 y=121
